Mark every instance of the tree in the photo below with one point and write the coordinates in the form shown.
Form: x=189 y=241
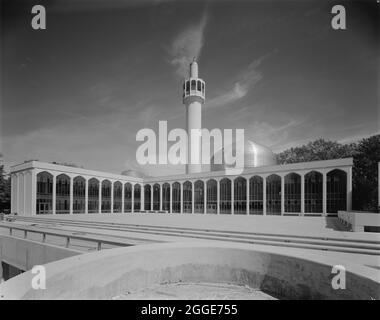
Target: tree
x=366 y=155
x=365 y=174
x=317 y=150
x=5 y=190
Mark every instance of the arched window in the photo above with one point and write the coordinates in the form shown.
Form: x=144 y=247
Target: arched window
x=79 y=195
x=199 y=197
x=313 y=192
x=93 y=195
x=127 y=197
x=336 y=191
x=106 y=196
x=156 y=197
x=187 y=197
x=225 y=196
x=117 y=196
x=147 y=196
x=62 y=205
x=256 y=195
x=187 y=87
x=240 y=196
x=292 y=192
x=44 y=199
x=166 y=197
x=212 y=190
x=193 y=85
x=137 y=198
x=203 y=88
x=199 y=85
x=176 y=197
x=273 y=195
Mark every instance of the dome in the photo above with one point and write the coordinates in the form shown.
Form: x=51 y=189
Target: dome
x=133 y=173
x=255 y=155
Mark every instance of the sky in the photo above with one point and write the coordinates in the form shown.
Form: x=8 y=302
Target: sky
x=79 y=91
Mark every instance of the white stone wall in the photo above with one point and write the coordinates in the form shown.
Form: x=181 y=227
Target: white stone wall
x=24 y=184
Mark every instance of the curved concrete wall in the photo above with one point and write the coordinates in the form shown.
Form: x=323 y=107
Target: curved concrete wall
x=108 y=273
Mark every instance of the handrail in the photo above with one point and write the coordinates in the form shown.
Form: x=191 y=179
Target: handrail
x=98 y=240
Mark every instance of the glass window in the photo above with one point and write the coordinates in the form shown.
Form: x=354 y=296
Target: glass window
x=336 y=191
x=256 y=195
x=240 y=196
x=292 y=195
x=313 y=192
x=212 y=196
x=176 y=197
x=225 y=196
x=193 y=85
x=147 y=195
x=273 y=195
x=198 y=197
x=187 y=197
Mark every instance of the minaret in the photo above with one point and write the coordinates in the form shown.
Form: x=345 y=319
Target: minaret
x=193 y=99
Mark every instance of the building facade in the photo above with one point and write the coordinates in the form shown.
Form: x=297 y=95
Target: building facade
x=308 y=188
x=263 y=188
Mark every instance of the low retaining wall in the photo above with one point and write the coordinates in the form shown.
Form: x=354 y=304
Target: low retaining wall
x=24 y=254
x=360 y=221
x=108 y=273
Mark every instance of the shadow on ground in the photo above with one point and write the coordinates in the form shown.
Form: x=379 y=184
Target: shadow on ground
x=333 y=223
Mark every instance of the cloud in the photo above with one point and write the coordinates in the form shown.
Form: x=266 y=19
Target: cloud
x=246 y=80
x=187 y=45
x=272 y=135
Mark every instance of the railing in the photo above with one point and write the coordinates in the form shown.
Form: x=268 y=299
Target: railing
x=68 y=237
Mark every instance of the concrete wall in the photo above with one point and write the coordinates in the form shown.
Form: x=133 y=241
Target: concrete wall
x=359 y=220
x=24 y=254
x=108 y=273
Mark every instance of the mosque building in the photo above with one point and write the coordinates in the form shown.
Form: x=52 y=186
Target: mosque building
x=262 y=188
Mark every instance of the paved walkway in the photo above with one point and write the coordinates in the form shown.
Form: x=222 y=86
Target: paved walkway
x=288 y=225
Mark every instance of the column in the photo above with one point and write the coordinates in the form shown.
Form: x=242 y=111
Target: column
x=282 y=195
x=142 y=198
x=217 y=196
x=133 y=199
x=247 y=195
x=34 y=192
x=349 y=189
x=204 y=197
x=19 y=193
x=324 y=194
x=232 y=196
x=160 y=196
x=181 y=193
x=86 y=195
x=54 y=196
x=13 y=193
x=151 y=196
x=71 y=194
x=264 y=195
x=16 y=206
x=122 y=198
x=171 y=198
x=100 y=197
x=302 y=194
x=112 y=182
x=192 y=197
